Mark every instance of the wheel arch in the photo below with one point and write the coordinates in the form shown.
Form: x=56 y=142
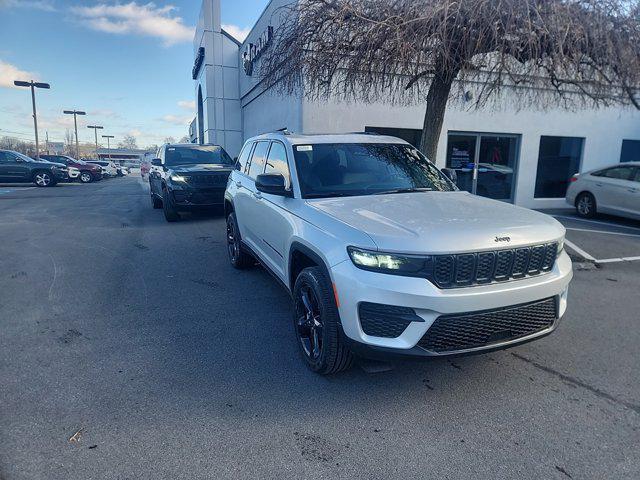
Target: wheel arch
x=301 y=257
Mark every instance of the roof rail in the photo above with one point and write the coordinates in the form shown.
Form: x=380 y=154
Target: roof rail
x=284 y=131
x=364 y=133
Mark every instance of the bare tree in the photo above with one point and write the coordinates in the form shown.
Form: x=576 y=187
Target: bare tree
x=544 y=53
x=11 y=143
x=129 y=142
x=169 y=140
x=69 y=143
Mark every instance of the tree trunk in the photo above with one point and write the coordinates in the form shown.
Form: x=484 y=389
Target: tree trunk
x=434 y=116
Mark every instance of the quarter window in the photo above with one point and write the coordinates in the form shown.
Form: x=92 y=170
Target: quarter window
x=258 y=159
x=277 y=161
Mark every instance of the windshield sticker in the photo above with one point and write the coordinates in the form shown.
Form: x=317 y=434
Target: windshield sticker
x=304 y=148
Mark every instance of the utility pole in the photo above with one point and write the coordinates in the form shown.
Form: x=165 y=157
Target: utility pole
x=75 y=123
x=95 y=131
x=108 y=137
x=33 y=85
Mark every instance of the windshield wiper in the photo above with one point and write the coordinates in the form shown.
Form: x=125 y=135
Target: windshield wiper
x=404 y=190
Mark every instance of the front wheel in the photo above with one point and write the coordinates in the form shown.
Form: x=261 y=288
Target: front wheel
x=43 y=179
x=317 y=324
x=586 y=205
x=86 y=177
x=170 y=212
x=237 y=256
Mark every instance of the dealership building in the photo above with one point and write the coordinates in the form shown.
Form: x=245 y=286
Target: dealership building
x=520 y=156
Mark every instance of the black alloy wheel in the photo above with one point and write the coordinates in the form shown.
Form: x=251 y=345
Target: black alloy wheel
x=309 y=325
x=237 y=256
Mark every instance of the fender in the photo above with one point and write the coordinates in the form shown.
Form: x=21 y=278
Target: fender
x=299 y=247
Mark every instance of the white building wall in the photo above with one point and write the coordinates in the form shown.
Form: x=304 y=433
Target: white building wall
x=602 y=129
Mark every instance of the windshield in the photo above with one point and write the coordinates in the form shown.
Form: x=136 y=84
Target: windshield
x=208 y=154
x=332 y=170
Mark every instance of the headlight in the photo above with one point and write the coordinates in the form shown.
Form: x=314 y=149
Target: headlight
x=391 y=263
x=560 y=247
x=178 y=178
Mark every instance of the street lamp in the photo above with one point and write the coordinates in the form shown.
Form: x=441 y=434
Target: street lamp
x=33 y=85
x=108 y=137
x=75 y=122
x=95 y=130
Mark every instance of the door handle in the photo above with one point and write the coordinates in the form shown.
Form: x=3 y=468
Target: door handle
x=632 y=190
x=238 y=184
x=598 y=184
x=257 y=195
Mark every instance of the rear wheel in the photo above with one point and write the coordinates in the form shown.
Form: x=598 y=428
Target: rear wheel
x=86 y=177
x=170 y=212
x=317 y=323
x=44 y=179
x=237 y=256
x=586 y=205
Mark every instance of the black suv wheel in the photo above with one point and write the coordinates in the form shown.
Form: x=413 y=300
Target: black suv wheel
x=170 y=212
x=237 y=256
x=317 y=323
x=44 y=179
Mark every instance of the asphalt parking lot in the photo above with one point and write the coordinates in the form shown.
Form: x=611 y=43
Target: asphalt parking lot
x=129 y=348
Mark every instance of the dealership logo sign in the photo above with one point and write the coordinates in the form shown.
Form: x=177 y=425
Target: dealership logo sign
x=253 y=51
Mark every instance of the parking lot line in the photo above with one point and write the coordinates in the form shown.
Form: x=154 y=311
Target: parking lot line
x=579 y=251
x=599 y=222
x=618 y=260
x=603 y=232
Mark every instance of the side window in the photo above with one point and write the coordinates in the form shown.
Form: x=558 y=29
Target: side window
x=243 y=159
x=619 y=173
x=4 y=157
x=636 y=176
x=277 y=162
x=258 y=159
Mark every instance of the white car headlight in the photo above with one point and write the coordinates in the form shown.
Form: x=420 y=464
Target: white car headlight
x=391 y=263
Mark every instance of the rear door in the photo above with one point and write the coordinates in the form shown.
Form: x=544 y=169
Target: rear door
x=632 y=197
x=612 y=187
x=14 y=168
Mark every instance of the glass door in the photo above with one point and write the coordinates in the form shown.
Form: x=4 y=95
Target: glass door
x=486 y=164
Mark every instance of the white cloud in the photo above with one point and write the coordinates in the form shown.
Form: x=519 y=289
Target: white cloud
x=135 y=133
x=46 y=5
x=188 y=105
x=9 y=73
x=139 y=19
x=180 y=120
x=236 y=32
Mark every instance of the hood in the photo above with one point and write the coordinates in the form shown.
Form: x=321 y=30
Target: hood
x=50 y=164
x=201 y=168
x=441 y=222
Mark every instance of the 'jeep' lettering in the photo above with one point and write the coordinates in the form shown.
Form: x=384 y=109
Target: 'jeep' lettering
x=253 y=51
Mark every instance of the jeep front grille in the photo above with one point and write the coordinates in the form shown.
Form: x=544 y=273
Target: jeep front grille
x=464 y=331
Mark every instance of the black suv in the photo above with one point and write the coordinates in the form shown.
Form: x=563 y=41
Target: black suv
x=188 y=176
x=18 y=168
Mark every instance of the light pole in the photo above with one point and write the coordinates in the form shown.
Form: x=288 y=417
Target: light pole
x=95 y=130
x=33 y=85
x=108 y=137
x=75 y=123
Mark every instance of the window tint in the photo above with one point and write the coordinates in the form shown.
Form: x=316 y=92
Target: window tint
x=630 y=151
x=244 y=157
x=196 y=154
x=258 y=159
x=277 y=161
x=619 y=173
x=558 y=160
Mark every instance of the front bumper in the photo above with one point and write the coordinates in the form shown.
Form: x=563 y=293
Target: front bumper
x=60 y=175
x=354 y=286
x=189 y=197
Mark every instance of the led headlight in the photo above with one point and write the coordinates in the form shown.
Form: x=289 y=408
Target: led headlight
x=391 y=263
x=178 y=178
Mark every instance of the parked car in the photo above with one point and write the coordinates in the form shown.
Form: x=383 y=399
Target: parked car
x=88 y=171
x=122 y=170
x=109 y=169
x=614 y=190
x=186 y=177
x=383 y=255
x=144 y=168
x=18 y=168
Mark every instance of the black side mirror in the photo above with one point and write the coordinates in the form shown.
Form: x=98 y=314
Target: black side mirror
x=156 y=162
x=451 y=174
x=272 y=183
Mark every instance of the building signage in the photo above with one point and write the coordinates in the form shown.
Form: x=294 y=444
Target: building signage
x=198 y=63
x=253 y=51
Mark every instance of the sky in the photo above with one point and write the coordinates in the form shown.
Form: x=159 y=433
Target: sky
x=126 y=63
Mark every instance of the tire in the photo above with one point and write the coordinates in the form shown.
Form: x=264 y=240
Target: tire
x=156 y=202
x=86 y=177
x=170 y=212
x=586 y=205
x=316 y=323
x=44 y=179
x=237 y=256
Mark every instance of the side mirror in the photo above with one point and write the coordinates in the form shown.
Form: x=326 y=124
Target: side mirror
x=156 y=162
x=272 y=183
x=451 y=174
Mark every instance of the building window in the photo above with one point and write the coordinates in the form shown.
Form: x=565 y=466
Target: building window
x=558 y=160
x=409 y=135
x=630 y=151
x=494 y=158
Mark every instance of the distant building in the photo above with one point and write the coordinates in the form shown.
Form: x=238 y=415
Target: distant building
x=123 y=156
x=55 y=148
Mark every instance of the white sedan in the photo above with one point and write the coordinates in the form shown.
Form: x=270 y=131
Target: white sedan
x=614 y=190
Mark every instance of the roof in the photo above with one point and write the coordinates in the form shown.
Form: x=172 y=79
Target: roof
x=298 y=139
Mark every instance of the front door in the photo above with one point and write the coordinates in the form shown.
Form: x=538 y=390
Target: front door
x=486 y=164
